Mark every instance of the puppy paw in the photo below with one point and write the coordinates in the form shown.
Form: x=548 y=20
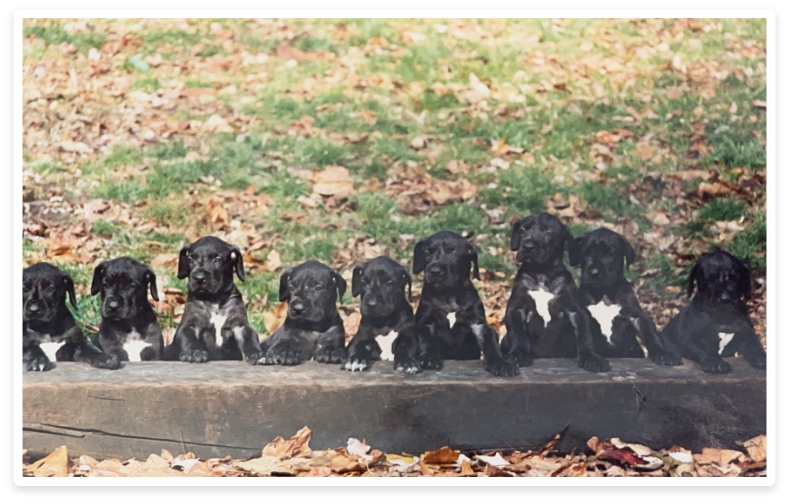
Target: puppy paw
x=40 y=364
x=196 y=355
x=255 y=357
x=595 y=363
x=284 y=355
x=759 y=362
x=718 y=366
x=407 y=365
x=328 y=355
x=432 y=360
x=356 y=364
x=106 y=361
x=524 y=359
x=502 y=367
x=665 y=358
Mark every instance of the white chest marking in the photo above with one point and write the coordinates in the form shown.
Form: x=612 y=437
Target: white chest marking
x=605 y=314
x=542 y=298
x=134 y=345
x=451 y=317
x=50 y=349
x=725 y=338
x=385 y=341
x=218 y=317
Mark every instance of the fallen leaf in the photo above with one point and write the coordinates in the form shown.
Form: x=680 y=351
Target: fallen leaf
x=54 y=464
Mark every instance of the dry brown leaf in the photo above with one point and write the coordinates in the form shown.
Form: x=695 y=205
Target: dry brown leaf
x=299 y=444
x=275 y=317
x=333 y=181
x=757 y=448
x=54 y=464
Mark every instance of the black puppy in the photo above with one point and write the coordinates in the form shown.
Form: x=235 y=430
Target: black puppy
x=214 y=324
x=381 y=283
x=545 y=317
x=716 y=323
x=129 y=328
x=313 y=328
x=50 y=331
x=450 y=319
x=617 y=316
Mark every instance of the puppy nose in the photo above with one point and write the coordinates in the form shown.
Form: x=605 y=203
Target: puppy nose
x=528 y=244
x=199 y=276
x=33 y=308
x=434 y=269
x=113 y=304
x=297 y=308
x=594 y=272
x=372 y=302
x=725 y=296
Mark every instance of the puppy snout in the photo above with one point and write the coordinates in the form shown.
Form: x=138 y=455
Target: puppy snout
x=725 y=296
x=113 y=304
x=529 y=245
x=371 y=302
x=435 y=269
x=594 y=272
x=200 y=276
x=297 y=308
x=33 y=308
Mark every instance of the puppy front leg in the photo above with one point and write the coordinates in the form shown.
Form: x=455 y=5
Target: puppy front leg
x=587 y=357
x=85 y=351
x=661 y=351
x=711 y=363
x=516 y=342
x=153 y=335
x=362 y=350
x=191 y=347
x=288 y=349
x=35 y=359
x=406 y=351
x=750 y=347
x=330 y=347
x=488 y=342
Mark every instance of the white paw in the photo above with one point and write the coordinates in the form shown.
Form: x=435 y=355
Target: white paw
x=355 y=365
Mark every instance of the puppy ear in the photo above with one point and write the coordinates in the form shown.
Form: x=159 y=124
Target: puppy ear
x=284 y=291
x=471 y=250
x=575 y=251
x=405 y=275
x=341 y=285
x=238 y=261
x=183 y=262
x=98 y=278
x=744 y=283
x=693 y=278
x=419 y=257
x=517 y=231
x=150 y=277
x=356 y=281
x=72 y=296
x=627 y=249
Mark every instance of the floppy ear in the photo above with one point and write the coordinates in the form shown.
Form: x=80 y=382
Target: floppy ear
x=72 y=296
x=284 y=291
x=575 y=251
x=405 y=275
x=744 y=283
x=693 y=278
x=471 y=250
x=627 y=249
x=98 y=278
x=356 y=281
x=341 y=284
x=150 y=277
x=419 y=256
x=517 y=230
x=238 y=261
x=183 y=262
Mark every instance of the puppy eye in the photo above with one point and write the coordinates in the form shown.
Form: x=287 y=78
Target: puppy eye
x=389 y=282
x=319 y=286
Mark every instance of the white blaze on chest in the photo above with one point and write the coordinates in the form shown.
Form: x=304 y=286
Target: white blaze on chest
x=725 y=339
x=50 y=348
x=605 y=314
x=218 y=317
x=542 y=298
x=451 y=318
x=385 y=341
x=134 y=344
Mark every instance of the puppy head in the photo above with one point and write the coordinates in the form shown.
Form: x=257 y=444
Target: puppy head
x=209 y=263
x=446 y=258
x=312 y=290
x=601 y=254
x=382 y=284
x=123 y=284
x=540 y=238
x=719 y=277
x=44 y=291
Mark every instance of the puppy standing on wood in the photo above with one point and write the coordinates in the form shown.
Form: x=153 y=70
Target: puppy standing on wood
x=545 y=317
x=450 y=319
x=50 y=331
x=617 y=316
x=214 y=324
x=716 y=323
x=129 y=328
x=381 y=283
x=313 y=328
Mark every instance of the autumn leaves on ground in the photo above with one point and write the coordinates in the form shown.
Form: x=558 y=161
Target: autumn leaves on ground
x=341 y=140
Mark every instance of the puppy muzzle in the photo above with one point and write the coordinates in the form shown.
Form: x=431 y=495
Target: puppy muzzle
x=35 y=310
x=531 y=251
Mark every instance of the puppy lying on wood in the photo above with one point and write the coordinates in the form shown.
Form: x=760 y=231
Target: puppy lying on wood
x=544 y=316
x=129 y=328
x=716 y=323
x=50 y=331
x=313 y=328
x=450 y=319
x=381 y=283
x=214 y=324
x=617 y=316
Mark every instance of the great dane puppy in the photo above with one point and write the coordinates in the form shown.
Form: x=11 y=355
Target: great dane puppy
x=382 y=284
x=50 y=331
x=716 y=323
x=450 y=319
x=214 y=324
x=617 y=317
x=545 y=317
x=129 y=328
x=313 y=328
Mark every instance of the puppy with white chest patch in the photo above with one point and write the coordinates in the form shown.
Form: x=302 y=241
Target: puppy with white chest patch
x=716 y=323
x=129 y=327
x=313 y=328
x=544 y=316
x=617 y=317
x=50 y=331
x=382 y=284
x=450 y=319
x=214 y=324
